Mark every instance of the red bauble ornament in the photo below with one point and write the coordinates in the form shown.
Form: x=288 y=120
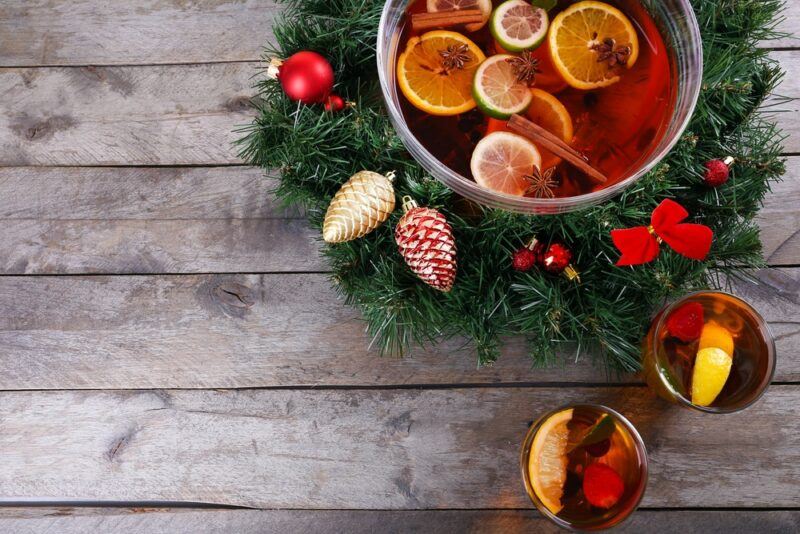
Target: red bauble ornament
x=556 y=258
x=523 y=260
x=306 y=77
x=426 y=242
x=334 y=103
x=717 y=171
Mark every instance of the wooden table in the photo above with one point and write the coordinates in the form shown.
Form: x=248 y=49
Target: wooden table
x=171 y=351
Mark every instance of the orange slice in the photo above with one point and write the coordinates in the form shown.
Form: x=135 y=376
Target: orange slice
x=548 y=112
x=547 y=466
x=714 y=335
x=576 y=30
x=427 y=83
x=501 y=160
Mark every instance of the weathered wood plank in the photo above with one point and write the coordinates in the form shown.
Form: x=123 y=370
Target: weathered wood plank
x=131 y=246
x=370 y=449
x=779 y=218
x=160 y=115
x=152 y=115
x=786 y=113
x=149 y=521
x=261 y=331
x=96 y=32
x=93 y=32
x=124 y=193
x=219 y=219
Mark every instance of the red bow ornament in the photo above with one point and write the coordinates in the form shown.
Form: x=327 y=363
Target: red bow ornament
x=641 y=244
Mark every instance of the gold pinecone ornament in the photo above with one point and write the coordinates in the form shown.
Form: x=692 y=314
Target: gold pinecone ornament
x=362 y=204
x=426 y=242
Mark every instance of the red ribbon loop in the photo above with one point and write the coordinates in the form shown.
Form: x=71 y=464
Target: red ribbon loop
x=641 y=244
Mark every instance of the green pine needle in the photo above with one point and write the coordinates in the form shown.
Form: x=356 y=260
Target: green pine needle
x=605 y=315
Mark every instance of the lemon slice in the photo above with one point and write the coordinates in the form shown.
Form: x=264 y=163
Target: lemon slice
x=711 y=370
x=547 y=467
x=501 y=160
x=578 y=30
x=427 y=83
x=714 y=335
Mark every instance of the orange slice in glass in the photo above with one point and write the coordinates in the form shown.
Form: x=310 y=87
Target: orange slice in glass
x=425 y=80
x=577 y=30
x=501 y=160
x=547 y=466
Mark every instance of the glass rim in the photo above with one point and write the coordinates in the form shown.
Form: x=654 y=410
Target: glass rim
x=641 y=449
x=769 y=340
x=534 y=206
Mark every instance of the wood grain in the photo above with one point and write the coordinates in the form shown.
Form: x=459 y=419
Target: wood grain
x=97 y=32
x=133 y=193
x=218 y=219
x=370 y=449
x=151 y=115
x=164 y=115
x=64 y=520
x=262 y=331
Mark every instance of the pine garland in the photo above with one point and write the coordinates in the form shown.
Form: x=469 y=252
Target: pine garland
x=607 y=313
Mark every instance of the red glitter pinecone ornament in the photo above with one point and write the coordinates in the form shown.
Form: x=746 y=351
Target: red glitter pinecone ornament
x=717 y=171
x=426 y=242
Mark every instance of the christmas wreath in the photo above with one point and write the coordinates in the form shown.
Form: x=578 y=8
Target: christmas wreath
x=316 y=148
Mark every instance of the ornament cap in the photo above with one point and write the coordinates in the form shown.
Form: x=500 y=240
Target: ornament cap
x=729 y=160
x=274 y=68
x=409 y=204
x=531 y=244
x=571 y=273
x=391 y=176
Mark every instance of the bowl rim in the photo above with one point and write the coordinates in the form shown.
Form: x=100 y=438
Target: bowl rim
x=532 y=206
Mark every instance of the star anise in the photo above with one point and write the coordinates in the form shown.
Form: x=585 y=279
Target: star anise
x=541 y=183
x=526 y=68
x=455 y=57
x=606 y=51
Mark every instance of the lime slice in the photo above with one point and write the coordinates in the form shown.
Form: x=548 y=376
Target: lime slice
x=547 y=467
x=496 y=89
x=502 y=160
x=711 y=370
x=518 y=26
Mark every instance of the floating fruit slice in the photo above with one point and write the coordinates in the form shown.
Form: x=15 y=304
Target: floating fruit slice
x=496 y=89
x=686 y=323
x=547 y=468
x=602 y=486
x=501 y=160
x=517 y=25
x=428 y=83
x=718 y=336
x=549 y=113
x=434 y=6
x=589 y=41
x=711 y=370
x=431 y=83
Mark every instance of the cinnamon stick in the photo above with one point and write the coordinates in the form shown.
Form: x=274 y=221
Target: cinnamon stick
x=522 y=126
x=445 y=19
